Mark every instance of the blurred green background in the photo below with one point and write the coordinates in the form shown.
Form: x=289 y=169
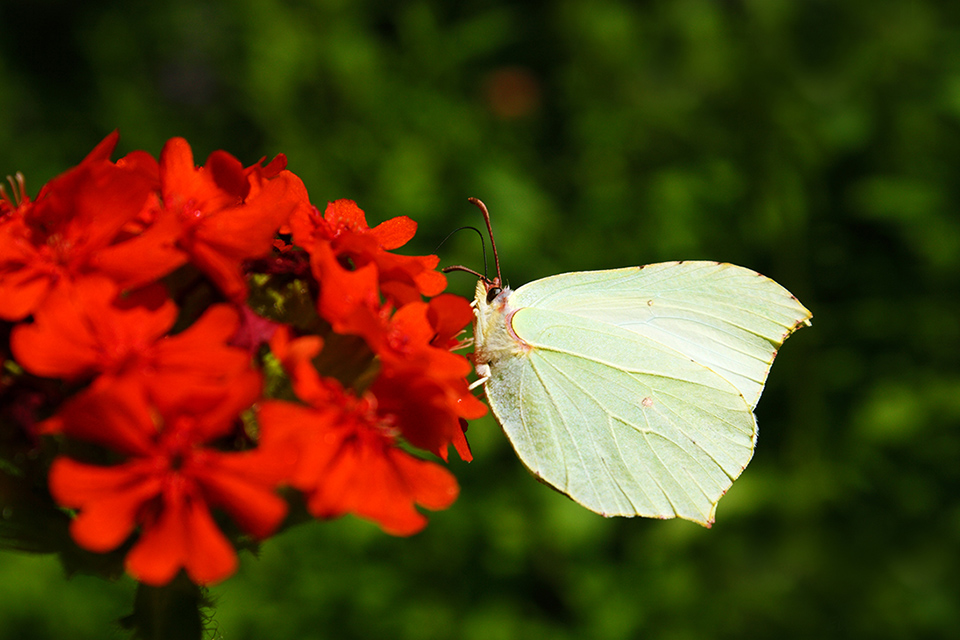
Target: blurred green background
x=815 y=141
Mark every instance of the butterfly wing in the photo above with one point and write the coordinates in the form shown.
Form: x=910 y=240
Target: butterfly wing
x=634 y=390
x=724 y=317
x=619 y=423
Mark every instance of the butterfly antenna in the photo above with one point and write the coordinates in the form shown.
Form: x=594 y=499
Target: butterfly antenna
x=483 y=251
x=483 y=248
x=493 y=243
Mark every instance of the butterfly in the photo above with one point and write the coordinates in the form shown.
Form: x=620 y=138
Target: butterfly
x=632 y=390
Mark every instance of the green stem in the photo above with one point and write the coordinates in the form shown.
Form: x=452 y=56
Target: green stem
x=171 y=612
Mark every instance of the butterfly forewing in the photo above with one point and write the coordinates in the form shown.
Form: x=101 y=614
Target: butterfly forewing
x=727 y=318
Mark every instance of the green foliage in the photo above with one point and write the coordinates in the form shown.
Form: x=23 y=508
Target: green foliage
x=814 y=141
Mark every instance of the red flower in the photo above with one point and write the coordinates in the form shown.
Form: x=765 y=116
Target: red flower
x=350 y=463
x=84 y=259
x=169 y=482
x=350 y=260
x=73 y=217
x=424 y=386
x=226 y=214
x=421 y=384
x=84 y=329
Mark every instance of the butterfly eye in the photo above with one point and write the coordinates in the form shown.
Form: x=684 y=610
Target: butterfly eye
x=492 y=293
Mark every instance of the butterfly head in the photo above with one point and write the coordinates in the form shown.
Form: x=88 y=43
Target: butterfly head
x=490 y=295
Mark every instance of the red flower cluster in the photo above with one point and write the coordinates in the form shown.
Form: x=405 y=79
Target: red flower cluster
x=129 y=282
x=421 y=384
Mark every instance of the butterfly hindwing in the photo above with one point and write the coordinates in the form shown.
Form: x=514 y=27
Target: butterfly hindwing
x=618 y=422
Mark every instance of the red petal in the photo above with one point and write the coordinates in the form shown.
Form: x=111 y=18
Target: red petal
x=217 y=325
x=431 y=283
x=224 y=235
x=284 y=425
x=146 y=257
x=428 y=410
x=247 y=231
x=460 y=443
x=103 y=200
x=228 y=174
x=410 y=326
x=342 y=292
x=234 y=483
x=23 y=289
x=107 y=523
x=346 y=213
x=104 y=148
x=280 y=421
x=113 y=414
x=77 y=484
x=109 y=499
x=275 y=166
x=430 y=485
x=395 y=232
x=75 y=215
x=218 y=420
x=296 y=356
x=178 y=174
x=372 y=479
x=184 y=535
x=60 y=343
x=211 y=558
x=162 y=548
x=225 y=271
x=448 y=315
x=142 y=163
